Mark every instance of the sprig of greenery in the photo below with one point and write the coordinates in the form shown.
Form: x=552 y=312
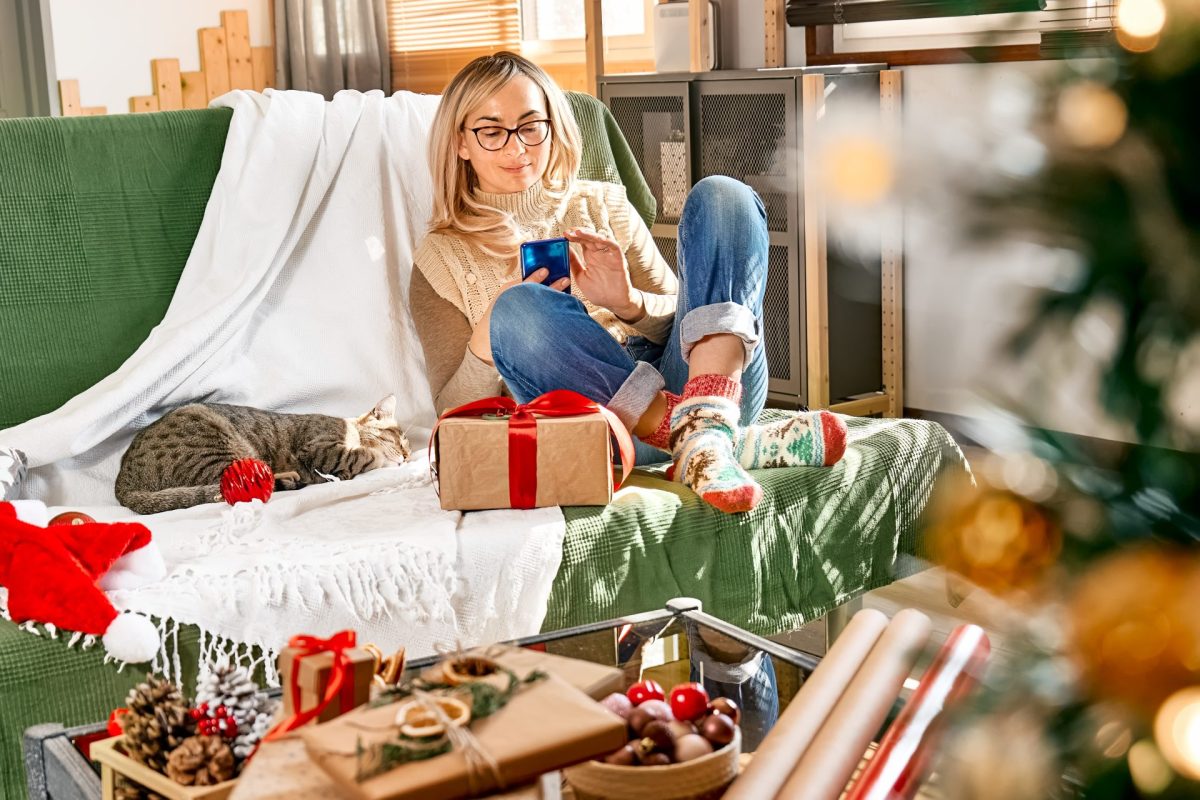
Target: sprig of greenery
x=486 y=699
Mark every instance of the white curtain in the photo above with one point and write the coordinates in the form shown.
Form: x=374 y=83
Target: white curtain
x=328 y=45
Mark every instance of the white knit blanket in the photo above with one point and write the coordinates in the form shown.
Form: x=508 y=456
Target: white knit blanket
x=294 y=298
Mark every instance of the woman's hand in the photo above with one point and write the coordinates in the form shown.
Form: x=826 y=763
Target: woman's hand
x=602 y=275
x=481 y=338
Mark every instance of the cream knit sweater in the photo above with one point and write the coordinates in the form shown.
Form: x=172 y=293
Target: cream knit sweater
x=454 y=281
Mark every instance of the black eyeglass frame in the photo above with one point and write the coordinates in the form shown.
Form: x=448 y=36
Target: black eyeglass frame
x=509 y=134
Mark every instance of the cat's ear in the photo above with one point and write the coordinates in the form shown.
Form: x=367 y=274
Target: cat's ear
x=385 y=408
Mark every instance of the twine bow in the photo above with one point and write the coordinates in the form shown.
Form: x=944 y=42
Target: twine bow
x=480 y=763
x=337 y=644
x=522 y=435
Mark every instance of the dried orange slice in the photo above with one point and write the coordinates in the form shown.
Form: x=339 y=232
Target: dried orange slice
x=457 y=671
x=418 y=722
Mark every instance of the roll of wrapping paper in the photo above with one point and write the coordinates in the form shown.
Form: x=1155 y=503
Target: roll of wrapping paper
x=837 y=749
x=899 y=765
x=778 y=753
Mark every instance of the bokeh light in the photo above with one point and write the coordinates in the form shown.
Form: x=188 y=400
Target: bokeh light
x=860 y=170
x=1150 y=772
x=1091 y=116
x=1177 y=731
x=1141 y=18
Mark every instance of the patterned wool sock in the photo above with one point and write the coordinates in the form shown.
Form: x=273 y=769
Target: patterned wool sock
x=703 y=428
x=804 y=439
x=661 y=438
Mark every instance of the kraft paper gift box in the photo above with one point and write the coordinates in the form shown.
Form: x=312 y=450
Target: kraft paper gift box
x=313 y=673
x=574 y=462
x=595 y=680
x=547 y=724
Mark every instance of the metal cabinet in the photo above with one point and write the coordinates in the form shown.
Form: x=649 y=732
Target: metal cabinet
x=747 y=124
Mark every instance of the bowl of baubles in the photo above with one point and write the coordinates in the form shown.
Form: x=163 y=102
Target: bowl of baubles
x=682 y=746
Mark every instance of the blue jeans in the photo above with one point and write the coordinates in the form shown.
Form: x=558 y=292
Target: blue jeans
x=543 y=339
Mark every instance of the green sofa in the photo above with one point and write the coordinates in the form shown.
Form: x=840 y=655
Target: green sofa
x=97 y=216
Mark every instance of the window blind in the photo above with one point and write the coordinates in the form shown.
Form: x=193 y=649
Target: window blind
x=1073 y=27
x=430 y=40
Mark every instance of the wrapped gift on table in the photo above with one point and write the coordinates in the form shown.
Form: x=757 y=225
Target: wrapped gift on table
x=553 y=451
x=595 y=680
x=308 y=666
x=547 y=724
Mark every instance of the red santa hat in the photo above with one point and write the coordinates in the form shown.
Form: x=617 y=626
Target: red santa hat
x=51 y=574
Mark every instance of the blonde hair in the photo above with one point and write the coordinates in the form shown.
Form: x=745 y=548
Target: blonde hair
x=455 y=209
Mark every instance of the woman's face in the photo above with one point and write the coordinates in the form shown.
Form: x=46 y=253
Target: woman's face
x=516 y=165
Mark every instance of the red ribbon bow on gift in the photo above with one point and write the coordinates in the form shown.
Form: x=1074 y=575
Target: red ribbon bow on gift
x=337 y=644
x=522 y=435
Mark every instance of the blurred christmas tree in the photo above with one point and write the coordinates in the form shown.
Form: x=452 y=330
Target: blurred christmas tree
x=1104 y=554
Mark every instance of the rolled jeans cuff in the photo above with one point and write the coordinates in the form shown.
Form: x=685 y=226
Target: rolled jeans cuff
x=726 y=317
x=636 y=393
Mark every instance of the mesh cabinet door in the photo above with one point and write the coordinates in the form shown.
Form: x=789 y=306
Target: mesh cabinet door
x=654 y=116
x=748 y=130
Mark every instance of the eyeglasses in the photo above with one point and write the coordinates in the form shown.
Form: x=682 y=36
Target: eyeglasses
x=531 y=134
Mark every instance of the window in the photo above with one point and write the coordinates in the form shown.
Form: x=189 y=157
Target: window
x=430 y=40
x=553 y=30
x=929 y=31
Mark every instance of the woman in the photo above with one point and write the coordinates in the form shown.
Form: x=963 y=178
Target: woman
x=680 y=363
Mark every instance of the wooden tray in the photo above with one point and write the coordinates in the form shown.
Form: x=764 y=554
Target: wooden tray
x=114 y=762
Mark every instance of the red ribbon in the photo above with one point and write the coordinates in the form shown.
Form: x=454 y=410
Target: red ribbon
x=522 y=435
x=337 y=644
x=114 y=721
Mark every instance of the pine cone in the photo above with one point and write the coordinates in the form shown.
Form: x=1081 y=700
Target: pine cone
x=201 y=761
x=128 y=790
x=157 y=722
x=233 y=687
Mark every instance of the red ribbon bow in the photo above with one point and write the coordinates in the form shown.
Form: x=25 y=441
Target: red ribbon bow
x=337 y=644
x=522 y=435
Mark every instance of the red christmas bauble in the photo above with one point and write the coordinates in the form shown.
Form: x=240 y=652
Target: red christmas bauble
x=689 y=701
x=642 y=691
x=70 y=518
x=247 y=479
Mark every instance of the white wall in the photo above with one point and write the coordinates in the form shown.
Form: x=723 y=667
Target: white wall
x=107 y=46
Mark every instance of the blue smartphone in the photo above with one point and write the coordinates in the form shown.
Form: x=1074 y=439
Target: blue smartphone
x=553 y=254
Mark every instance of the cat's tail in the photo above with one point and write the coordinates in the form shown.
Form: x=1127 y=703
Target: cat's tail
x=152 y=502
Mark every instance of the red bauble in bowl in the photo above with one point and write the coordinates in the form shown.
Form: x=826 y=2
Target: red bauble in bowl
x=247 y=479
x=689 y=701
x=642 y=691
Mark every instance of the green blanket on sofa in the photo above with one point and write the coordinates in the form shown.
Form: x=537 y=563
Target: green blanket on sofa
x=97 y=216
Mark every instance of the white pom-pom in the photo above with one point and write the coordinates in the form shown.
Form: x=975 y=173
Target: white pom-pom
x=131 y=638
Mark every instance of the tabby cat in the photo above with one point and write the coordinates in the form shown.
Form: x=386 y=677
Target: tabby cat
x=177 y=461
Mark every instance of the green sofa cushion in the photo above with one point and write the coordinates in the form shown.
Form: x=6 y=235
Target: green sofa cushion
x=97 y=217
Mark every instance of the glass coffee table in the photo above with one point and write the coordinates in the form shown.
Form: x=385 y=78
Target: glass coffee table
x=675 y=644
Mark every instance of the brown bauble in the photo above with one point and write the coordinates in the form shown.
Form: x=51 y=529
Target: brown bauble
x=625 y=757
x=656 y=760
x=648 y=711
x=660 y=709
x=727 y=707
x=691 y=746
x=718 y=729
x=681 y=728
x=661 y=735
